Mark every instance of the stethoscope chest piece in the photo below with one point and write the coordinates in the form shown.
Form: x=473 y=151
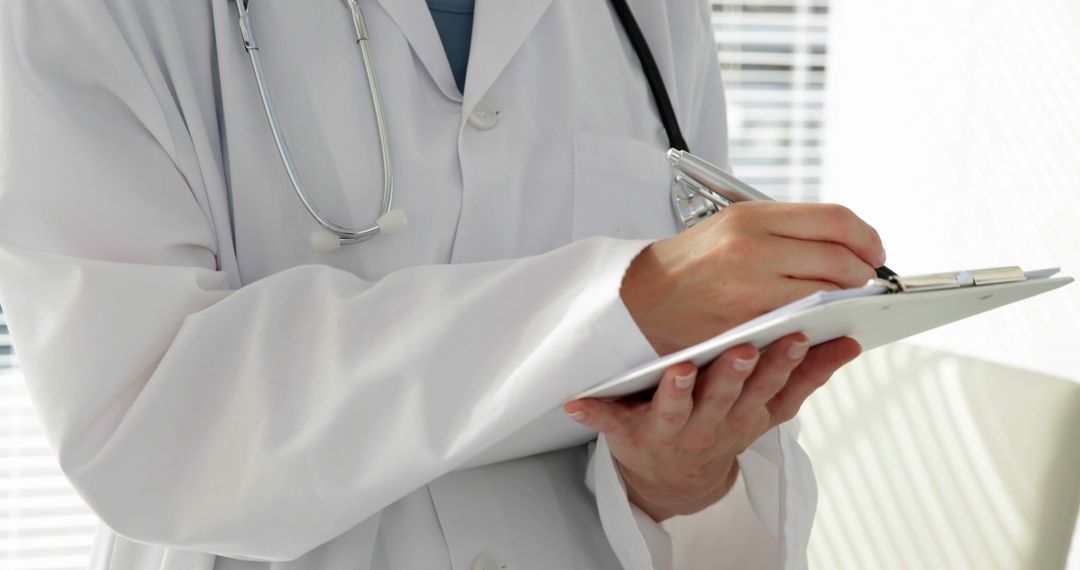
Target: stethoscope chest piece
x=323 y=240
x=692 y=203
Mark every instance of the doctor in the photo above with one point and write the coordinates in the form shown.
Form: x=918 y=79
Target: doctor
x=223 y=396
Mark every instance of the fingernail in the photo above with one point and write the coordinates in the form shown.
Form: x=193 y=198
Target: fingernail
x=881 y=260
x=745 y=364
x=578 y=416
x=685 y=382
x=798 y=350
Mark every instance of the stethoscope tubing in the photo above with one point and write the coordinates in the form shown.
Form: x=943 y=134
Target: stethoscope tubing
x=346 y=235
x=652 y=74
x=395 y=220
x=376 y=101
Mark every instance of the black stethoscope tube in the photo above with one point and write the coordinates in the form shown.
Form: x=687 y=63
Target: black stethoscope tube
x=652 y=74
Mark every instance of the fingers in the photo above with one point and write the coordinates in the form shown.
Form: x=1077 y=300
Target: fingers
x=611 y=418
x=772 y=372
x=719 y=389
x=816 y=222
x=818 y=366
x=821 y=261
x=740 y=384
x=663 y=416
x=672 y=403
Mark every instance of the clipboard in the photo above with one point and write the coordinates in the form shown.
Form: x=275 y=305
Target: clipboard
x=881 y=312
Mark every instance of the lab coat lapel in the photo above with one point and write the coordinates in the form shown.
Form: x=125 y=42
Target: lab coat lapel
x=414 y=20
x=499 y=29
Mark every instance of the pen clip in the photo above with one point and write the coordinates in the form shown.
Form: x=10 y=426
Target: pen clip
x=714 y=179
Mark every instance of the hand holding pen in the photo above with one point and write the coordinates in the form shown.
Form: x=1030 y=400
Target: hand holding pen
x=749 y=259
x=722 y=188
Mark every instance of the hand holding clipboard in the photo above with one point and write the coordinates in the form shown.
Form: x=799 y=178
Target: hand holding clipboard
x=886 y=309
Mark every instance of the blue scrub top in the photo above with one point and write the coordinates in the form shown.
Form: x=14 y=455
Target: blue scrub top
x=454 y=20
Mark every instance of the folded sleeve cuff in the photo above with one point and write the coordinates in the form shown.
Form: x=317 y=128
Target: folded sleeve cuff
x=780 y=484
x=614 y=327
x=639 y=542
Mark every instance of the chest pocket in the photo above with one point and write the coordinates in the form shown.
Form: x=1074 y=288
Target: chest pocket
x=621 y=188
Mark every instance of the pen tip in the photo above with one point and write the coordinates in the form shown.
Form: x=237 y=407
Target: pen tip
x=884 y=272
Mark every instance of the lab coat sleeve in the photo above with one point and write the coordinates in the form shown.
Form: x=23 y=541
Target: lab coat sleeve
x=262 y=421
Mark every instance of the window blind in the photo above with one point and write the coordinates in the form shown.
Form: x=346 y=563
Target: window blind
x=772 y=53
x=7 y=356
x=773 y=57
x=44 y=525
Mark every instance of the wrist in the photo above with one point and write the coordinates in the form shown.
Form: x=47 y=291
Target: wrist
x=644 y=282
x=661 y=502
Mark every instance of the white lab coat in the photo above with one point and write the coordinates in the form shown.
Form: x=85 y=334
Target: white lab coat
x=214 y=388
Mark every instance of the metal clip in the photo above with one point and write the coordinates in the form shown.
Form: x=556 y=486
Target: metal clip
x=889 y=285
x=245 y=26
x=998 y=275
x=952 y=280
x=693 y=202
x=358 y=20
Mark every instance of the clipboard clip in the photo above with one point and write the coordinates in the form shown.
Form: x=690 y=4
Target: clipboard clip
x=950 y=280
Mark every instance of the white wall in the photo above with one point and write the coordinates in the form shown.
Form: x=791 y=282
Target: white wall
x=954 y=128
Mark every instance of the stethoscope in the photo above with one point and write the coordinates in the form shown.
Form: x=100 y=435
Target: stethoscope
x=688 y=201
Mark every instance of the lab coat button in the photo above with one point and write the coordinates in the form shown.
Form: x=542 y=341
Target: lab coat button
x=487 y=561
x=483 y=116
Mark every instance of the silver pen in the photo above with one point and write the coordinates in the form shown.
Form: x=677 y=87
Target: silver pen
x=727 y=186
x=713 y=177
